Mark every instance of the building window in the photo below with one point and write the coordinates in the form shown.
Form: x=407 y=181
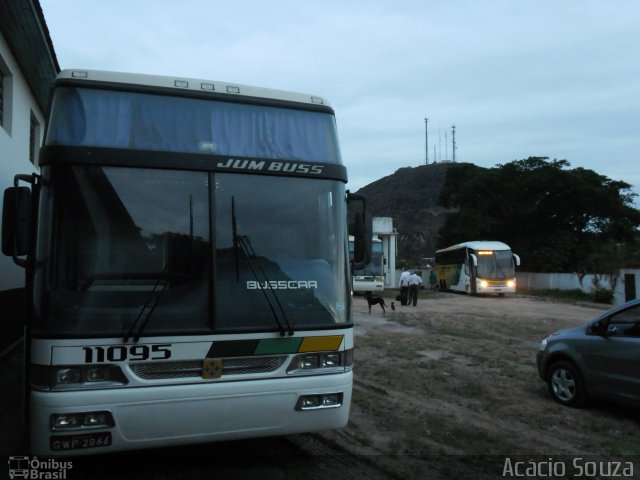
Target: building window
x=5 y=96
x=34 y=139
x=1 y=98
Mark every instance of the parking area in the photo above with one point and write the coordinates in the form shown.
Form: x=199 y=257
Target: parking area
x=456 y=376
x=446 y=389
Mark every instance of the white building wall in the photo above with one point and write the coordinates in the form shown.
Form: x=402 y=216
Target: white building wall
x=14 y=144
x=571 y=281
x=620 y=293
x=559 y=281
x=383 y=228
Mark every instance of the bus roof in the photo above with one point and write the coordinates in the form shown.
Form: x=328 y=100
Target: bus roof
x=190 y=85
x=478 y=245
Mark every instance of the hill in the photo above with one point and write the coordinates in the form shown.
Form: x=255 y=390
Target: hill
x=410 y=197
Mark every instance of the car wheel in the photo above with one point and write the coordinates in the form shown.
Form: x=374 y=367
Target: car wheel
x=566 y=385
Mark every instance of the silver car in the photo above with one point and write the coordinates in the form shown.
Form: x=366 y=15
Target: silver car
x=599 y=359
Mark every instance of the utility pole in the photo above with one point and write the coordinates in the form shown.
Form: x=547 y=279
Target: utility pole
x=453 y=140
x=426 y=141
x=446 y=147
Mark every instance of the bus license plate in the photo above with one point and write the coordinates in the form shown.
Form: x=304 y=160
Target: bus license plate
x=76 y=442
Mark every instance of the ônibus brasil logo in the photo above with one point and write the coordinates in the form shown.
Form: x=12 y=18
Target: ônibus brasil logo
x=33 y=468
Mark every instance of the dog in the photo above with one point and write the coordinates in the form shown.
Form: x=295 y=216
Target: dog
x=374 y=300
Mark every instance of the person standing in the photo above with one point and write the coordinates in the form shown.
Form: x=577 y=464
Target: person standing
x=404 y=286
x=433 y=279
x=414 y=282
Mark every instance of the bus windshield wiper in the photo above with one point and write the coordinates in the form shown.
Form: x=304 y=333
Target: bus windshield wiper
x=149 y=306
x=153 y=300
x=242 y=242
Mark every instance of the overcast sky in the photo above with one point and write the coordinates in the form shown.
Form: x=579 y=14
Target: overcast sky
x=518 y=78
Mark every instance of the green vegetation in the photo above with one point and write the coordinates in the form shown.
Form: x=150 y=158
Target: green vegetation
x=559 y=219
x=410 y=197
x=598 y=294
x=574 y=295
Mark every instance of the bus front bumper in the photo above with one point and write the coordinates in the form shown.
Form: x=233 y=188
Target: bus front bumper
x=160 y=416
x=483 y=286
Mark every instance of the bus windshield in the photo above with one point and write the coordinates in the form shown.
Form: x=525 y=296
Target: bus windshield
x=495 y=264
x=373 y=269
x=118 y=245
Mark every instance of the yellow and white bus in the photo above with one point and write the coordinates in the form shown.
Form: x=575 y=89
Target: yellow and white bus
x=187 y=268
x=477 y=267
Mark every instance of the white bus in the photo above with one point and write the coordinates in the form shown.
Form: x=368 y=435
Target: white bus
x=370 y=278
x=477 y=267
x=186 y=253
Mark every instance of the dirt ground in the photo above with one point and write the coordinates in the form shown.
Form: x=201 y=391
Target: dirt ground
x=445 y=390
x=449 y=389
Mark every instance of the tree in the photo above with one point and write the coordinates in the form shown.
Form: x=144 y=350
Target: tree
x=555 y=217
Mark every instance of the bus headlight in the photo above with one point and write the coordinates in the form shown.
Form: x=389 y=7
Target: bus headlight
x=98 y=374
x=331 y=360
x=319 y=401
x=47 y=377
x=67 y=375
x=64 y=421
x=511 y=284
x=321 y=362
x=81 y=421
x=484 y=284
x=309 y=361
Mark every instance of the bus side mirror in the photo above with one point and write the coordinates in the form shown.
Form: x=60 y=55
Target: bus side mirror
x=359 y=224
x=517 y=259
x=474 y=259
x=16 y=223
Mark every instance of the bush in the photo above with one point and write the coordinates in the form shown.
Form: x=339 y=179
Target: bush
x=573 y=295
x=601 y=294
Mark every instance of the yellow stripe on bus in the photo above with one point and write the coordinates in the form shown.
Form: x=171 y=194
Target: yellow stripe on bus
x=316 y=344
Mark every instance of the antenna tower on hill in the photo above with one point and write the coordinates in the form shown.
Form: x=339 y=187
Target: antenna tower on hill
x=426 y=141
x=453 y=140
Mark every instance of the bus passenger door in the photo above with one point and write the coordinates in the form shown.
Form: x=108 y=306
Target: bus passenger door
x=472 y=267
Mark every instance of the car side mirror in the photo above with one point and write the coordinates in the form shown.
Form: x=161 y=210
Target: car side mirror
x=599 y=328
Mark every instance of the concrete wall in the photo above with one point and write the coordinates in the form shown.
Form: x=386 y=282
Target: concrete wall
x=620 y=293
x=560 y=281
x=571 y=281
x=383 y=228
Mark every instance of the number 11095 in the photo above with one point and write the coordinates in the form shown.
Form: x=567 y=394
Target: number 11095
x=121 y=353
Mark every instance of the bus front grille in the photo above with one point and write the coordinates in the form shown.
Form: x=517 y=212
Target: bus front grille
x=193 y=368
